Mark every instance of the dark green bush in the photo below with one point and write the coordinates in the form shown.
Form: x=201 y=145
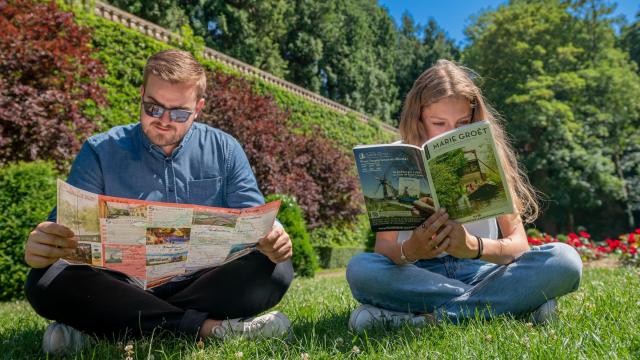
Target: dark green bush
x=27 y=194
x=305 y=262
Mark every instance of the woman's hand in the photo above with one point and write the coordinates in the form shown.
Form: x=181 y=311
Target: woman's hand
x=429 y=239
x=462 y=245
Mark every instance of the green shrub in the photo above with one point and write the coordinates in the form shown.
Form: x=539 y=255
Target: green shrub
x=290 y=215
x=27 y=195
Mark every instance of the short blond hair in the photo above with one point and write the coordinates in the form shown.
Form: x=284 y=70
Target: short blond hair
x=448 y=79
x=176 y=66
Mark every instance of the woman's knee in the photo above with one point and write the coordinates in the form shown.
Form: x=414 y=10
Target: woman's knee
x=564 y=264
x=364 y=269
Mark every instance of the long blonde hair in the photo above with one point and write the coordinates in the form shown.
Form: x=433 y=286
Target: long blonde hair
x=447 y=79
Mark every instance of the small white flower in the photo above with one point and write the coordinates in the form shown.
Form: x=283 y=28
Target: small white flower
x=239 y=354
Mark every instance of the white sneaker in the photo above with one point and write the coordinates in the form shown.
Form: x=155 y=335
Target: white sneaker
x=367 y=316
x=270 y=325
x=61 y=338
x=544 y=314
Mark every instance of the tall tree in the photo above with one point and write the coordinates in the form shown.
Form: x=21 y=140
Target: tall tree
x=630 y=39
x=418 y=48
x=568 y=97
x=249 y=30
x=311 y=24
x=166 y=13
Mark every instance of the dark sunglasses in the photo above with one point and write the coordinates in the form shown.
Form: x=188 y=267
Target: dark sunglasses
x=156 y=111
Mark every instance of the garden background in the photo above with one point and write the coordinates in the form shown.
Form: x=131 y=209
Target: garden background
x=564 y=79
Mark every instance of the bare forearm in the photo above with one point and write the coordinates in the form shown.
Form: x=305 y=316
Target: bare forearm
x=390 y=250
x=503 y=251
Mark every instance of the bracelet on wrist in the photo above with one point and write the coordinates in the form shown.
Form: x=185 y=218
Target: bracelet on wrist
x=402 y=255
x=480 y=247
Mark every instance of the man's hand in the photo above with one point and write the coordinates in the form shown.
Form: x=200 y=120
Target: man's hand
x=47 y=243
x=277 y=245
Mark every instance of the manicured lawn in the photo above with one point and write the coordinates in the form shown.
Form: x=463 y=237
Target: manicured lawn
x=600 y=321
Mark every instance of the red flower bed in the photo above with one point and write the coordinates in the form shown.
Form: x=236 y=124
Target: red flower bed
x=626 y=245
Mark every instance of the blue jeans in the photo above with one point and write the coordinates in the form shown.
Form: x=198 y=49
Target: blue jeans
x=459 y=289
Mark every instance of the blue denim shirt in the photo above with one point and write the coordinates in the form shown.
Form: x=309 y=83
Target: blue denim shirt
x=208 y=168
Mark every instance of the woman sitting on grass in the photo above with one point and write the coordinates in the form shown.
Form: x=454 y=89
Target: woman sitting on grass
x=446 y=271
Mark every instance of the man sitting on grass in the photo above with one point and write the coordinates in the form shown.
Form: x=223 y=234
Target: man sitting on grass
x=165 y=157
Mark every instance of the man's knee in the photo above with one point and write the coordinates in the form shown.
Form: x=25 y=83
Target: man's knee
x=268 y=292
x=36 y=294
x=283 y=275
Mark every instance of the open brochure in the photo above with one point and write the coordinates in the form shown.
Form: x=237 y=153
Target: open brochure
x=459 y=170
x=152 y=242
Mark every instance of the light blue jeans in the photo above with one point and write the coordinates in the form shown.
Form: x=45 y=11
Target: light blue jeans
x=459 y=289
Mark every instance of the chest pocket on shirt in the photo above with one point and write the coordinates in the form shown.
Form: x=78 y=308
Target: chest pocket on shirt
x=206 y=192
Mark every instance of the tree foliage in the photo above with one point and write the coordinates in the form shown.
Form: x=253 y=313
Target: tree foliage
x=166 y=13
x=569 y=98
x=630 y=39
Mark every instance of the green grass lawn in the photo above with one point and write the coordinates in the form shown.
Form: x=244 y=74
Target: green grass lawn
x=600 y=321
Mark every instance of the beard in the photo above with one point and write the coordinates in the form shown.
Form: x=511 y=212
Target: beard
x=161 y=138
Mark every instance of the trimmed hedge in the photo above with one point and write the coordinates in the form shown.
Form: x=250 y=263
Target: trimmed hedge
x=27 y=195
x=337 y=257
x=291 y=217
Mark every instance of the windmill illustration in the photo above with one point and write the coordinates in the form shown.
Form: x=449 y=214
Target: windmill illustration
x=388 y=191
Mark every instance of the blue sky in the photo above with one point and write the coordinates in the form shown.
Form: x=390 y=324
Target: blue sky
x=453 y=15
